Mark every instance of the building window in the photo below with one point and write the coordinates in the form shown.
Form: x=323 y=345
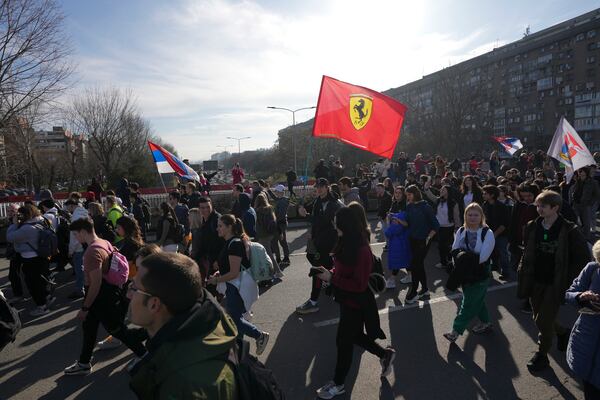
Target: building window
x=590 y=59
x=589 y=85
x=544 y=59
x=591 y=34
x=592 y=46
x=568 y=100
x=544 y=83
x=579 y=37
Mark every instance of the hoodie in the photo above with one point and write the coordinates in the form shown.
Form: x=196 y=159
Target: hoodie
x=187 y=358
x=24 y=237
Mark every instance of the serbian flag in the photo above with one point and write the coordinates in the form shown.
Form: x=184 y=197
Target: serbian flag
x=568 y=148
x=510 y=144
x=358 y=116
x=167 y=163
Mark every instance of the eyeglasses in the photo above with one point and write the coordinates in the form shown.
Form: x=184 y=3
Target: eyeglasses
x=132 y=288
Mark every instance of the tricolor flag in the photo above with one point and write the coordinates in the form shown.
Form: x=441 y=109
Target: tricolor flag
x=510 y=144
x=568 y=148
x=358 y=116
x=167 y=163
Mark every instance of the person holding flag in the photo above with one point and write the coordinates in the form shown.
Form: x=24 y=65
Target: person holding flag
x=167 y=163
x=568 y=148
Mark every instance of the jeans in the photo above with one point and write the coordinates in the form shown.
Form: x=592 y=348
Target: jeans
x=236 y=309
x=266 y=241
x=350 y=332
x=36 y=271
x=107 y=309
x=77 y=263
x=418 y=249
x=501 y=257
x=281 y=239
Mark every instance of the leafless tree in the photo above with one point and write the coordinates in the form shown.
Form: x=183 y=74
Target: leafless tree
x=34 y=55
x=116 y=131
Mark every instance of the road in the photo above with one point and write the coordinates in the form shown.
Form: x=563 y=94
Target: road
x=302 y=349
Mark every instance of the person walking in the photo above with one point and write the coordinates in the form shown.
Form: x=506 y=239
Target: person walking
x=470 y=192
x=473 y=246
x=422 y=225
x=583 y=350
x=266 y=230
x=102 y=302
x=353 y=263
x=167 y=227
x=291 y=178
x=323 y=237
x=206 y=242
x=555 y=253
x=232 y=263
x=282 y=204
x=24 y=233
x=585 y=193
x=76 y=248
x=497 y=216
x=237 y=174
x=448 y=216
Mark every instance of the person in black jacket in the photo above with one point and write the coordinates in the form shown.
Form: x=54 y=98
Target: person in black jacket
x=292 y=177
x=323 y=237
x=497 y=216
x=321 y=170
x=206 y=243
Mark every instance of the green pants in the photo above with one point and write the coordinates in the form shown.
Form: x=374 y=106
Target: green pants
x=545 y=308
x=472 y=305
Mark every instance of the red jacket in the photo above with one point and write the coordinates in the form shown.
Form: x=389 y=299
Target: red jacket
x=238 y=175
x=353 y=277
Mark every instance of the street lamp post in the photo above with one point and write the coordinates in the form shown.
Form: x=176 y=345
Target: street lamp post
x=239 y=141
x=293 y=124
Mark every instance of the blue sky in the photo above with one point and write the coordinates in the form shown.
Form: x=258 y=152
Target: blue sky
x=205 y=70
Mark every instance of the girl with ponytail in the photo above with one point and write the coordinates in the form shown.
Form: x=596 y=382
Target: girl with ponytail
x=233 y=257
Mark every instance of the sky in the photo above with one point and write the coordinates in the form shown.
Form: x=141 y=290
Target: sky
x=205 y=70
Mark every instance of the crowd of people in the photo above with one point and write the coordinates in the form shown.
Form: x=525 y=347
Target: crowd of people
x=526 y=221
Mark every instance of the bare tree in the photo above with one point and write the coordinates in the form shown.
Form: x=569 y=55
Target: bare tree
x=115 y=129
x=34 y=55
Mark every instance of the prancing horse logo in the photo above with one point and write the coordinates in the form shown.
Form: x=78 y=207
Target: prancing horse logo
x=361 y=108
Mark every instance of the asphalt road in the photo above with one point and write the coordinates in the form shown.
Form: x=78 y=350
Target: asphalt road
x=302 y=349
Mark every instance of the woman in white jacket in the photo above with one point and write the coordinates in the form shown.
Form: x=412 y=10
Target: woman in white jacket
x=474 y=237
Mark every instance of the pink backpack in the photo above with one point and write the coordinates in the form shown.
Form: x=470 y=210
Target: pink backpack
x=118 y=266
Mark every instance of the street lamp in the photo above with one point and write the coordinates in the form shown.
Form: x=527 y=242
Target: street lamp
x=226 y=147
x=293 y=124
x=239 y=141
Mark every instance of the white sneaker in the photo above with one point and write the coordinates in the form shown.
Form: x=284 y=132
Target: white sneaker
x=390 y=283
x=78 y=369
x=406 y=280
x=109 y=343
x=39 y=311
x=330 y=390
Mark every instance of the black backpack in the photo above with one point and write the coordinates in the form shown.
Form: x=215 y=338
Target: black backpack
x=255 y=381
x=10 y=324
x=47 y=244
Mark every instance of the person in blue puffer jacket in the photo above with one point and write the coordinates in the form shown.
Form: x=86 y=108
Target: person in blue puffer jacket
x=583 y=351
x=398 y=248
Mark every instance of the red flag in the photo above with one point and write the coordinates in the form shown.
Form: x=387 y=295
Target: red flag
x=358 y=116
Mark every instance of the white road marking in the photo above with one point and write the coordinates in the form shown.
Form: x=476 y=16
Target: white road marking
x=420 y=304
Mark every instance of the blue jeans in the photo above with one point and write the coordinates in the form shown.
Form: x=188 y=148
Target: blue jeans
x=501 y=258
x=77 y=263
x=236 y=309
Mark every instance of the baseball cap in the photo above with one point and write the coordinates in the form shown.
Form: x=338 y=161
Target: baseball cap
x=279 y=188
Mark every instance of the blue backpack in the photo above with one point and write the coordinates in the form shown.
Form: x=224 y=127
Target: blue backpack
x=47 y=245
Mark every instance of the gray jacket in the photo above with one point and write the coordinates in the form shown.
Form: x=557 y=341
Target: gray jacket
x=24 y=237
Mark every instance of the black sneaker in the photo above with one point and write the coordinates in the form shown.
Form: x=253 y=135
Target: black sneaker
x=526 y=308
x=387 y=361
x=423 y=293
x=286 y=260
x=411 y=296
x=562 y=341
x=538 y=362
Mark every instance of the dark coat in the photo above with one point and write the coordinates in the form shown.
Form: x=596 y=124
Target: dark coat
x=571 y=256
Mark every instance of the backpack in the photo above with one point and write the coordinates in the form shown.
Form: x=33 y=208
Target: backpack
x=62 y=231
x=479 y=274
x=10 y=324
x=177 y=233
x=269 y=222
x=118 y=267
x=146 y=211
x=377 y=278
x=254 y=379
x=261 y=266
x=47 y=245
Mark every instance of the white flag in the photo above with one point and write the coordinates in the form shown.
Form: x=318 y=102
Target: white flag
x=568 y=148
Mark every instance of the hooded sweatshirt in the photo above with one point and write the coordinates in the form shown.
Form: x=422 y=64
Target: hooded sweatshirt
x=24 y=237
x=74 y=245
x=187 y=358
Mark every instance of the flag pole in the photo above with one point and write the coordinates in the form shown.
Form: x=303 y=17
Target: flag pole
x=163 y=182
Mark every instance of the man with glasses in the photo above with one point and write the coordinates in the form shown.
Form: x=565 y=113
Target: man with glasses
x=190 y=334
x=102 y=301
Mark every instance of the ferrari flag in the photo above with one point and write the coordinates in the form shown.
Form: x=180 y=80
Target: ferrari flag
x=358 y=116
